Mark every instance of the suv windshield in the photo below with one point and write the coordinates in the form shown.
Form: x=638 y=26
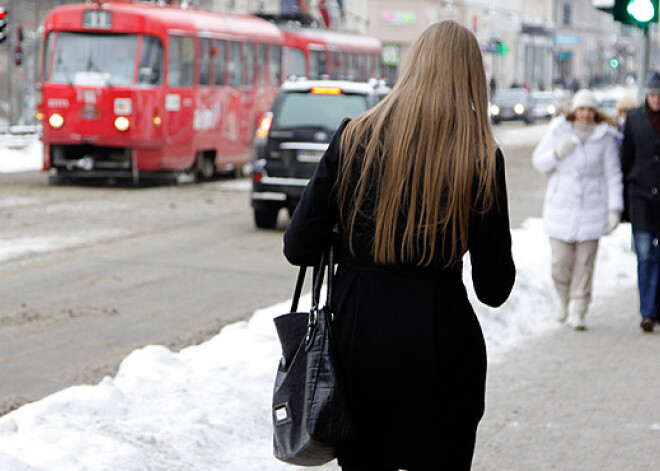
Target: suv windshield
x=309 y=110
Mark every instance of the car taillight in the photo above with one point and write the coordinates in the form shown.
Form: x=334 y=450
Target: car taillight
x=257 y=176
x=264 y=125
x=326 y=91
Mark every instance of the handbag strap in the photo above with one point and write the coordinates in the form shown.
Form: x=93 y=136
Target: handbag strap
x=298 y=290
x=328 y=255
x=327 y=259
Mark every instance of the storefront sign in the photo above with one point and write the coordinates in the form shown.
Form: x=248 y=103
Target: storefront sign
x=399 y=18
x=567 y=39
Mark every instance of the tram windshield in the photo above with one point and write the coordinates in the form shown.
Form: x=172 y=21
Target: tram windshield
x=104 y=59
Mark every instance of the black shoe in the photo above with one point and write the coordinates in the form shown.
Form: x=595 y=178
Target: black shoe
x=647 y=324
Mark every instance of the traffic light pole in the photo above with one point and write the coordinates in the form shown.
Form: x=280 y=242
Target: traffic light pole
x=643 y=63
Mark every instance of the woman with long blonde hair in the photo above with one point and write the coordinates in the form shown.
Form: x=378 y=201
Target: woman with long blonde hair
x=412 y=185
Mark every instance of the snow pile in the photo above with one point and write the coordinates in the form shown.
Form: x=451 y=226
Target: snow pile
x=21 y=160
x=208 y=406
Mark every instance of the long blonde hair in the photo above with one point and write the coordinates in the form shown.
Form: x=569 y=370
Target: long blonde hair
x=427 y=148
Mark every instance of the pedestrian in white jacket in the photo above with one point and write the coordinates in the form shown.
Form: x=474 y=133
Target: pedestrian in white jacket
x=583 y=199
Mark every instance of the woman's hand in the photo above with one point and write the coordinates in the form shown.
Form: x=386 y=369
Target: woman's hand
x=613 y=219
x=564 y=148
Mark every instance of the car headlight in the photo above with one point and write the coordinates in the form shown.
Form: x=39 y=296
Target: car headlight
x=56 y=121
x=551 y=109
x=494 y=110
x=122 y=123
x=519 y=108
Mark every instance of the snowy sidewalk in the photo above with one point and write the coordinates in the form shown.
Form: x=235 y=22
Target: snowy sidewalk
x=557 y=399
x=577 y=400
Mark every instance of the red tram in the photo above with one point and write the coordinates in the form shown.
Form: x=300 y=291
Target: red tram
x=132 y=89
x=138 y=89
x=317 y=54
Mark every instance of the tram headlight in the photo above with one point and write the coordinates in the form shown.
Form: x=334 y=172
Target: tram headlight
x=157 y=120
x=56 y=121
x=122 y=123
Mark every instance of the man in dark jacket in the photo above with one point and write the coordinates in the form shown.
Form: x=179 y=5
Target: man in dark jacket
x=640 y=161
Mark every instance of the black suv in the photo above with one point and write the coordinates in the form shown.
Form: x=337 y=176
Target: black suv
x=294 y=134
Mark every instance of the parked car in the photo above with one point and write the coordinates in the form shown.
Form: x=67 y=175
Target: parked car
x=512 y=104
x=546 y=104
x=294 y=134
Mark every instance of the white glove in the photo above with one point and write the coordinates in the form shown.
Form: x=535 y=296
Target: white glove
x=564 y=148
x=613 y=219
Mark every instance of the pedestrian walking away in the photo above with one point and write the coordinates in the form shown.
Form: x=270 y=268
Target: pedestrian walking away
x=413 y=184
x=640 y=162
x=623 y=105
x=583 y=199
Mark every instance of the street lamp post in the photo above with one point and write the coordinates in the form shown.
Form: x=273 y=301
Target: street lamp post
x=643 y=63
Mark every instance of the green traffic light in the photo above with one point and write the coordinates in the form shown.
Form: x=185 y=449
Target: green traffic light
x=614 y=63
x=642 y=11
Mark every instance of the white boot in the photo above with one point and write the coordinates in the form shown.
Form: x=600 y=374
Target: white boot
x=562 y=312
x=578 y=314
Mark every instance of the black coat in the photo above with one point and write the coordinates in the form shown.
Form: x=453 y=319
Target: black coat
x=640 y=164
x=409 y=343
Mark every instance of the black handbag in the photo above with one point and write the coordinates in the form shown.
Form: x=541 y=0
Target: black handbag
x=310 y=416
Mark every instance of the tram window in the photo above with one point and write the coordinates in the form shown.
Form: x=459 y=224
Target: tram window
x=77 y=59
x=262 y=60
x=205 y=62
x=50 y=41
x=314 y=65
x=373 y=70
x=361 y=66
x=220 y=63
x=150 y=71
x=235 y=69
x=181 y=62
x=248 y=51
x=276 y=64
x=323 y=61
x=352 y=65
x=335 y=65
x=317 y=64
x=297 y=64
x=340 y=65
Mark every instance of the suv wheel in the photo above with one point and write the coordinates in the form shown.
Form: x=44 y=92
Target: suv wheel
x=265 y=218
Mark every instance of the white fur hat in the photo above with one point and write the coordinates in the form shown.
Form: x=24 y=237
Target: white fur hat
x=584 y=99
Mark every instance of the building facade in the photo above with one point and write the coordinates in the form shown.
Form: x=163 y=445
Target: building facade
x=536 y=43
x=526 y=42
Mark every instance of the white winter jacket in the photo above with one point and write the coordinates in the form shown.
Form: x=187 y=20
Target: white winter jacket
x=583 y=186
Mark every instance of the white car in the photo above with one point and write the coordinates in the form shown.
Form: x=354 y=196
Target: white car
x=546 y=104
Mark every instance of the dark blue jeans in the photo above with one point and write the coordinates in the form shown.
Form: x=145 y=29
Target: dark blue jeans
x=648 y=272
